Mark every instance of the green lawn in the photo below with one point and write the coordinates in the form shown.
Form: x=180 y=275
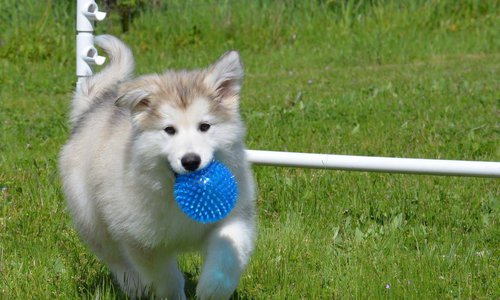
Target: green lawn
x=366 y=78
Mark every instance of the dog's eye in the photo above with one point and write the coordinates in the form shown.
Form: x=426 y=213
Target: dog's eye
x=204 y=127
x=170 y=130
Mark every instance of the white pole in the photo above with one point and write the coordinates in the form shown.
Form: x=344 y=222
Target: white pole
x=375 y=164
x=87 y=12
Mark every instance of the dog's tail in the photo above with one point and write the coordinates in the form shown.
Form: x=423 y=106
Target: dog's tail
x=119 y=69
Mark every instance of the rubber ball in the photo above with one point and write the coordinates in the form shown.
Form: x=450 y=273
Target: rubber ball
x=207 y=195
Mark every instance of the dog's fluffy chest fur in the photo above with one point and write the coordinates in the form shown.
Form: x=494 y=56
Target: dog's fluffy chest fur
x=149 y=215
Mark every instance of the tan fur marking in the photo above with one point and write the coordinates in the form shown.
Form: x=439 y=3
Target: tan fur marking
x=178 y=89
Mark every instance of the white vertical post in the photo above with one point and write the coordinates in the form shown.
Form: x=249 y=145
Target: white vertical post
x=87 y=12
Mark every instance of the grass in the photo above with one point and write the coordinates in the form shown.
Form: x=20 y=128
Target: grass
x=368 y=78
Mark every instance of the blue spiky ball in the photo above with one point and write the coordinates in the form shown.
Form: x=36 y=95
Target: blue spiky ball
x=207 y=195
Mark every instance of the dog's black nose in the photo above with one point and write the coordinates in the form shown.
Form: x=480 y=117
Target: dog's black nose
x=191 y=161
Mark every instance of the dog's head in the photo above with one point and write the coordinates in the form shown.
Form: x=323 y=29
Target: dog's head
x=186 y=116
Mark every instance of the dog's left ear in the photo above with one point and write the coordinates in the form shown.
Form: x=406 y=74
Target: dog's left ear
x=225 y=76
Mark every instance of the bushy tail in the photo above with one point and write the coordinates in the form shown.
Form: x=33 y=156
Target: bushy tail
x=119 y=69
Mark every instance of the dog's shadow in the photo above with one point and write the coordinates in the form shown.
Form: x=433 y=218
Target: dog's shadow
x=104 y=286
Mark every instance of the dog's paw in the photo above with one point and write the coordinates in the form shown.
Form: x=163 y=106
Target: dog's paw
x=173 y=287
x=215 y=286
x=171 y=293
x=176 y=296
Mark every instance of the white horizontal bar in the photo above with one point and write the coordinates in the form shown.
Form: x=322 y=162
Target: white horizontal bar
x=375 y=164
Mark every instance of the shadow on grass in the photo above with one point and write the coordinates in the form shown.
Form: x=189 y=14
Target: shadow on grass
x=100 y=286
x=104 y=286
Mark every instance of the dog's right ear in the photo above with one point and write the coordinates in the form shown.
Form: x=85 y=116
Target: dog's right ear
x=136 y=94
x=135 y=100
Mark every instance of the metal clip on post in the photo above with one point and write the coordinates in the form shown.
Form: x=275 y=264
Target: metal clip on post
x=87 y=13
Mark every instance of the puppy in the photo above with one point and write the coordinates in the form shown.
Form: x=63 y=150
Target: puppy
x=130 y=136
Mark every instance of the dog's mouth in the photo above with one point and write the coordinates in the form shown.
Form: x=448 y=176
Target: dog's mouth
x=178 y=173
x=185 y=172
x=184 y=168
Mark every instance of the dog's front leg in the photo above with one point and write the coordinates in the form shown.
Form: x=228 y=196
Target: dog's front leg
x=228 y=251
x=158 y=271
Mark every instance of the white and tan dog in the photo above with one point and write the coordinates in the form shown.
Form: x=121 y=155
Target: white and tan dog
x=129 y=138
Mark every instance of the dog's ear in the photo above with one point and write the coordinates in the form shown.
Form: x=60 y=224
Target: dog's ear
x=135 y=100
x=136 y=94
x=225 y=76
x=140 y=104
